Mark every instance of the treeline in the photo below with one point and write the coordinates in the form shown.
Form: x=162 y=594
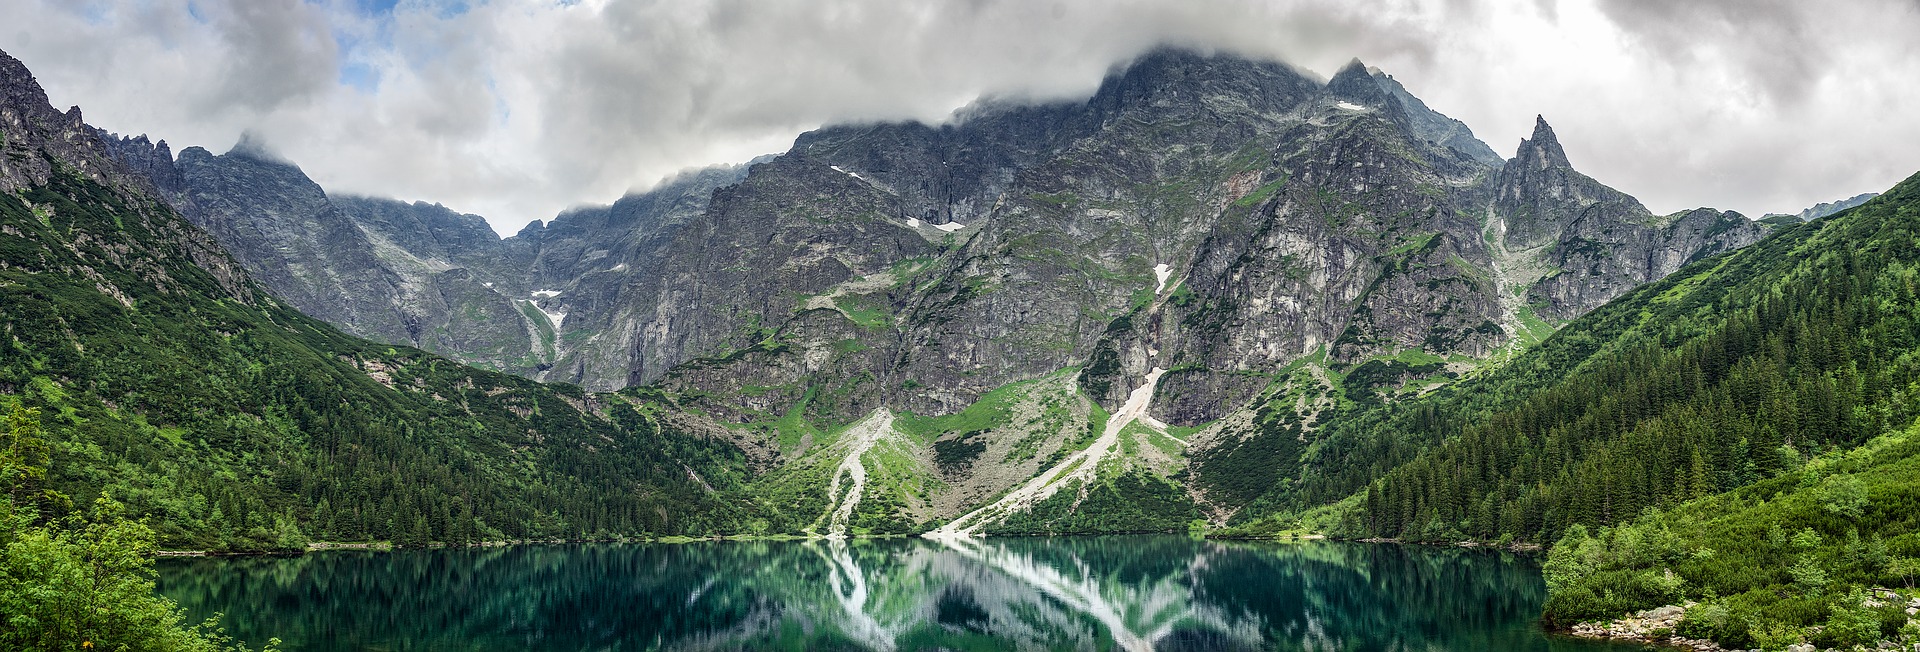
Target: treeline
x=232 y=422
x=1786 y=560
x=1734 y=370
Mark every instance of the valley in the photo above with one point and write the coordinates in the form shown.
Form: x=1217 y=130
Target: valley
x=1221 y=296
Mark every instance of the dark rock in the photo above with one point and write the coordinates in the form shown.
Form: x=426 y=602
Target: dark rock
x=1291 y=216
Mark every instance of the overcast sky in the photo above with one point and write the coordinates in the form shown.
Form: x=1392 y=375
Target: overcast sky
x=516 y=109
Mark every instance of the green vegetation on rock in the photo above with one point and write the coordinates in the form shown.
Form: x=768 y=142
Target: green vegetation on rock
x=82 y=580
x=236 y=423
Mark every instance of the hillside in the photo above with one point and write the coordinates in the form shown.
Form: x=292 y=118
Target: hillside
x=1735 y=369
x=169 y=378
x=995 y=289
x=1736 y=434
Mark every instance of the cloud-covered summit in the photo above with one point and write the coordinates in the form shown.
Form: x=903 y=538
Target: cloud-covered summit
x=517 y=109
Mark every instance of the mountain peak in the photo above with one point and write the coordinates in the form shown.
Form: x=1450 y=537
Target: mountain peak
x=1355 y=82
x=1543 y=149
x=19 y=91
x=31 y=123
x=254 y=146
x=1540 y=127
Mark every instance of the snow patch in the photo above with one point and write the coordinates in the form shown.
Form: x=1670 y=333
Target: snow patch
x=850 y=173
x=913 y=222
x=488 y=285
x=1161 y=273
x=950 y=227
x=618 y=268
x=556 y=317
x=545 y=294
x=1350 y=106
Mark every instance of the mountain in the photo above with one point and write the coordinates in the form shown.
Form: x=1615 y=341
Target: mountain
x=1586 y=243
x=1739 y=433
x=166 y=374
x=416 y=274
x=990 y=299
x=1819 y=210
x=1732 y=370
x=1219 y=293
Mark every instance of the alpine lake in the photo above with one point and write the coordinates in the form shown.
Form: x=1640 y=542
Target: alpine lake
x=1064 y=593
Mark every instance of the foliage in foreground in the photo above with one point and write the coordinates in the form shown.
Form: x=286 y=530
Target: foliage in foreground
x=83 y=581
x=1785 y=560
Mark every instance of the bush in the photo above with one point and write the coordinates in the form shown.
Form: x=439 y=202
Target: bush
x=87 y=583
x=1850 y=624
x=84 y=581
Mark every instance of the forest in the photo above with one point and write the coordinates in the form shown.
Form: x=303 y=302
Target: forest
x=1739 y=435
x=232 y=422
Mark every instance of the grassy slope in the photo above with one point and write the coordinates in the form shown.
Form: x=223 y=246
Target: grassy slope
x=1724 y=373
x=241 y=424
x=1663 y=440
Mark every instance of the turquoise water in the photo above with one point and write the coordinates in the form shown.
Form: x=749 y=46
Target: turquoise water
x=1082 y=593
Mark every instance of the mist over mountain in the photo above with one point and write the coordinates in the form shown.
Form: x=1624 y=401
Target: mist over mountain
x=1205 y=226
x=1219 y=295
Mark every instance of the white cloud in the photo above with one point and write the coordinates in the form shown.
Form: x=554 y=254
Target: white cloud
x=517 y=109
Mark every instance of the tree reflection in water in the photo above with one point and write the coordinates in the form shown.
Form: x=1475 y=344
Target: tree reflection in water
x=1091 y=593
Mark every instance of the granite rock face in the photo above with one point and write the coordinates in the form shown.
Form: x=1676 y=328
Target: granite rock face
x=417 y=273
x=279 y=224
x=37 y=142
x=30 y=126
x=1207 y=214
x=1590 y=243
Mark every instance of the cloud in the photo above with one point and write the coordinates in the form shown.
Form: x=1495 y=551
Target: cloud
x=516 y=109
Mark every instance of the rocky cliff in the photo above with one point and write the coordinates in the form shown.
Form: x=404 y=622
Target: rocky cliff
x=1234 y=238
x=229 y=421
x=1588 y=243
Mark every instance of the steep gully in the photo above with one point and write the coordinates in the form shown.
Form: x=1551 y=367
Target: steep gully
x=1082 y=466
x=860 y=439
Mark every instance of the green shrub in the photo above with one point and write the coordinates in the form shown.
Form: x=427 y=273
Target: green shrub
x=85 y=580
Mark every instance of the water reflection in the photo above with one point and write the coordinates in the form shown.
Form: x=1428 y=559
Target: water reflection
x=1097 y=593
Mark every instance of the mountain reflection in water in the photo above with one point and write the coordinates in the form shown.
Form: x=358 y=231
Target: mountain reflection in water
x=1080 y=593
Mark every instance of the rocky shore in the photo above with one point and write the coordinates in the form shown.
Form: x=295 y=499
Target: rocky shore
x=1659 y=626
x=1656 y=626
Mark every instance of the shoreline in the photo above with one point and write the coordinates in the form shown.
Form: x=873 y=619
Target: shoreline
x=388 y=546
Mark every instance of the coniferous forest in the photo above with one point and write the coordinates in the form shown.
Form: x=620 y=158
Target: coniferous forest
x=236 y=423
x=1740 y=435
x=1735 y=435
